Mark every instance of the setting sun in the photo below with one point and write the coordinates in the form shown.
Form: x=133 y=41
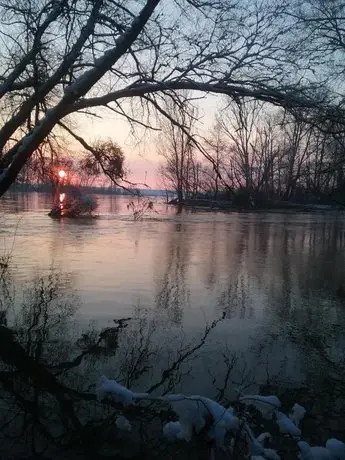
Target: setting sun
x=62 y=174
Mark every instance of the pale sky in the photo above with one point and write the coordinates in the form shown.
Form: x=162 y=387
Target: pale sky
x=141 y=156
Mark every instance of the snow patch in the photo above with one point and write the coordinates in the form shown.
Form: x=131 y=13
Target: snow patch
x=336 y=448
x=262 y=437
x=110 y=388
x=271 y=454
x=287 y=426
x=123 y=423
x=258 y=450
x=196 y=412
x=172 y=431
x=297 y=413
x=313 y=453
x=172 y=398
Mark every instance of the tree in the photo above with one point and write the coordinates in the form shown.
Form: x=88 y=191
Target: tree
x=214 y=172
x=252 y=153
x=321 y=26
x=266 y=154
x=177 y=149
x=296 y=151
x=103 y=158
x=239 y=123
x=62 y=58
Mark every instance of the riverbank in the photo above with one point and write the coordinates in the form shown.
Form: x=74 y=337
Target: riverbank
x=277 y=206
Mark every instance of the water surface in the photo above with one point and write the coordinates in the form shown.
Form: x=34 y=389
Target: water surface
x=273 y=276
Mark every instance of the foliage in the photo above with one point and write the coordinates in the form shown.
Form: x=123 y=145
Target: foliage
x=110 y=158
x=88 y=170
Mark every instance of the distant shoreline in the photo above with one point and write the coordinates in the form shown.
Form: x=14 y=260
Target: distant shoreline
x=278 y=206
x=207 y=204
x=47 y=188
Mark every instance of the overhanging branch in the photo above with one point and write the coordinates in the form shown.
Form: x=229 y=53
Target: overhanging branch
x=92 y=150
x=189 y=136
x=279 y=97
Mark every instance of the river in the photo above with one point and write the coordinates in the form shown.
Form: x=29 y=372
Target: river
x=272 y=276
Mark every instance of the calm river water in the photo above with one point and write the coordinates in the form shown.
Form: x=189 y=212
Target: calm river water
x=274 y=277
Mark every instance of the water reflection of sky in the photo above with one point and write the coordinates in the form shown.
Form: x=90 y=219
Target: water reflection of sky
x=273 y=275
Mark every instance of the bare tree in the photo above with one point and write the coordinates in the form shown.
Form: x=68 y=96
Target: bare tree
x=321 y=26
x=214 y=172
x=62 y=58
x=239 y=123
x=296 y=141
x=177 y=149
x=252 y=146
x=274 y=154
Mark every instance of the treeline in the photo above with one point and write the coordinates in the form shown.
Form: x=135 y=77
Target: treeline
x=254 y=154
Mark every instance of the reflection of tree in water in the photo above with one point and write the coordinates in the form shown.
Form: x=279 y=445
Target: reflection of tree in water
x=211 y=269
x=71 y=235
x=305 y=320
x=113 y=204
x=7 y=293
x=289 y=266
x=311 y=262
x=309 y=350
x=292 y=274
x=173 y=294
x=307 y=273
x=48 y=367
x=235 y=297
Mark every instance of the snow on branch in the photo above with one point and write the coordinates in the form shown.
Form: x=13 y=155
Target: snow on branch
x=200 y=416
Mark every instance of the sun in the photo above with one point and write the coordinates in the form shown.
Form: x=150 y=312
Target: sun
x=62 y=173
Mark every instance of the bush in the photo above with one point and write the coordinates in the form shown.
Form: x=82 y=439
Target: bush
x=74 y=206
x=242 y=198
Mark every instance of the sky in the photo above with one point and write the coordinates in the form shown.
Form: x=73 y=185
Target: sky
x=141 y=157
